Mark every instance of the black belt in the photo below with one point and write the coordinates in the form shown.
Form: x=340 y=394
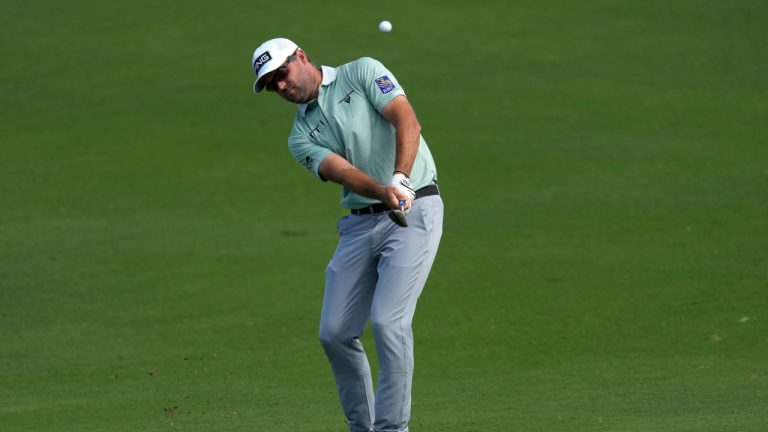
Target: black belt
x=381 y=207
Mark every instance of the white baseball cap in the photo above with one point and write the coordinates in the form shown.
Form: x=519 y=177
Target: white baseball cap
x=269 y=56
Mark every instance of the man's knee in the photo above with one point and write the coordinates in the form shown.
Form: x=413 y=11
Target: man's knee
x=329 y=336
x=334 y=337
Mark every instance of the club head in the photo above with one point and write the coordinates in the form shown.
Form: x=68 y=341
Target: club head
x=398 y=217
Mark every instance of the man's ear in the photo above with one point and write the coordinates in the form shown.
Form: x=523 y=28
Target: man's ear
x=302 y=55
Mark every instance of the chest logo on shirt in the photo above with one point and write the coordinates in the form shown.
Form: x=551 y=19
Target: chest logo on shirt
x=347 y=98
x=385 y=84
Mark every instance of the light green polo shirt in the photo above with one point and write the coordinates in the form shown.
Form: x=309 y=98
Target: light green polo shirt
x=346 y=119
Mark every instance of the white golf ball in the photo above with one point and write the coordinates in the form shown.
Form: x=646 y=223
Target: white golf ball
x=385 y=26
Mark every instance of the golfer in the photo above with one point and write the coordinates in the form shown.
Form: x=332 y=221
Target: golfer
x=354 y=126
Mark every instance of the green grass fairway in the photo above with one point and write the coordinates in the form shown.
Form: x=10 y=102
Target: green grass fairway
x=604 y=165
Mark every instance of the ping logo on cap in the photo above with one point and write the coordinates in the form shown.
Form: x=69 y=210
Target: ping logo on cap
x=259 y=62
x=385 y=84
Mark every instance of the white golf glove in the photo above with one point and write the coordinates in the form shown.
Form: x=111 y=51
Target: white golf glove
x=404 y=185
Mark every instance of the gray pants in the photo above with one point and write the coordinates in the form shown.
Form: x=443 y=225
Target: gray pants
x=377 y=273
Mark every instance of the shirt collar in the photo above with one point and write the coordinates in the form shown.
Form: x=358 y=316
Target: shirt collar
x=329 y=76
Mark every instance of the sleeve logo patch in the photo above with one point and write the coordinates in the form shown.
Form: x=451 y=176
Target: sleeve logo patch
x=385 y=84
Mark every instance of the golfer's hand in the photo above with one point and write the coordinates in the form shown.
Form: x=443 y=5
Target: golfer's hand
x=404 y=191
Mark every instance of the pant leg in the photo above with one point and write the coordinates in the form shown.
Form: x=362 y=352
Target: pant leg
x=406 y=258
x=350 y=283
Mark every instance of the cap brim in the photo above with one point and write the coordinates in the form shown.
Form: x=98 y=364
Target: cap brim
x=259 y=84
x=257 y=88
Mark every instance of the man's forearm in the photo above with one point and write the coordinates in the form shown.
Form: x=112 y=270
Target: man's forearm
x=407 y=147
x=360 y=183
x=338 y=170
x=407 y=133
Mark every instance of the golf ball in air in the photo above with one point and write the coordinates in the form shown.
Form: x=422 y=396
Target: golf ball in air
x=385 y=26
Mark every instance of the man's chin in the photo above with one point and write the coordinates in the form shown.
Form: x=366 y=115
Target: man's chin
x=292 y=97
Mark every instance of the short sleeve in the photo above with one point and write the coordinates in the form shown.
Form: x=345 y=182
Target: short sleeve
x=377 y=82
x=307 y=153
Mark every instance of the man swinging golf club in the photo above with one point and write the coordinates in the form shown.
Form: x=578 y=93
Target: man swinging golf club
x=354 y=126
